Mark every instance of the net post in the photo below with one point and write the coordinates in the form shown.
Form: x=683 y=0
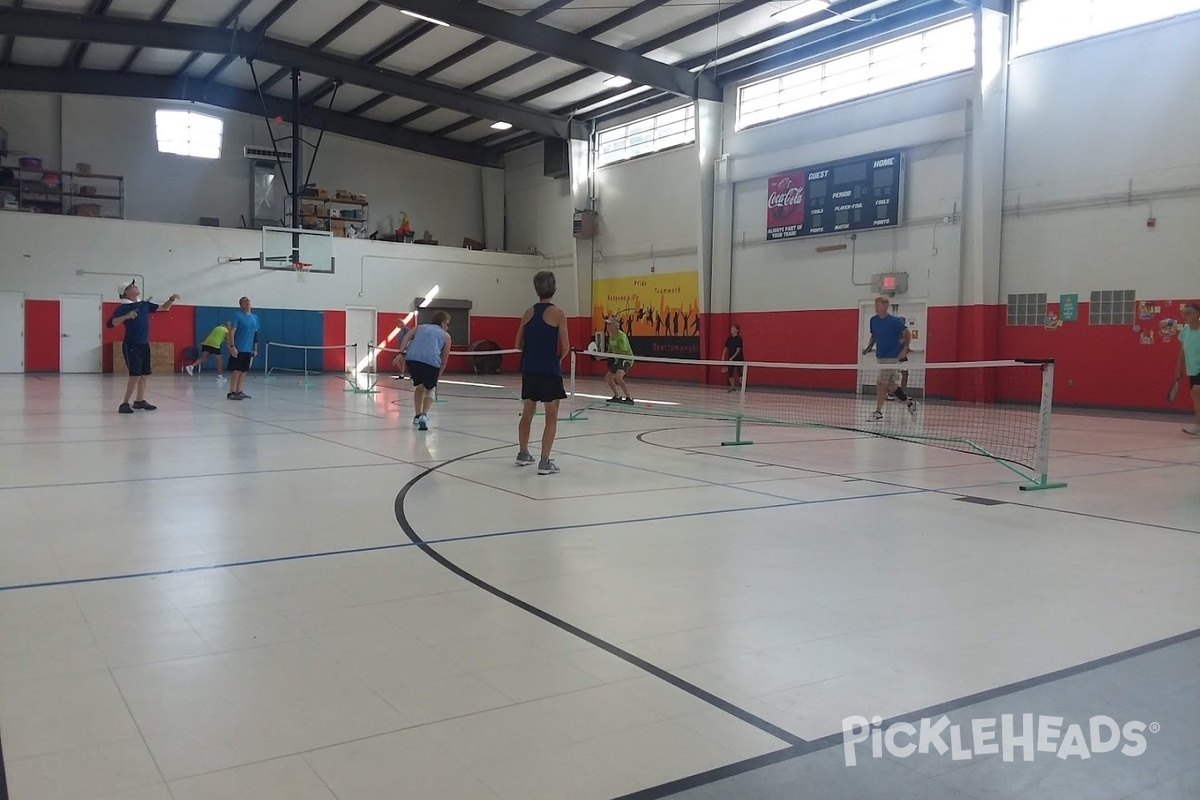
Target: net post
x=267 y=361
x=741 y=411
x=1042 y=456
x=354 y=376
x=574 y=415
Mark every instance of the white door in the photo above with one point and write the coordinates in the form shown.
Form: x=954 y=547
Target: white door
x=12 y=330
x=360 y=329
x=913 y=312
x=80 y=326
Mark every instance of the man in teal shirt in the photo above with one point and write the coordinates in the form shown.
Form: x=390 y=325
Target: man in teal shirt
x=1189 y=359
x=243 y=347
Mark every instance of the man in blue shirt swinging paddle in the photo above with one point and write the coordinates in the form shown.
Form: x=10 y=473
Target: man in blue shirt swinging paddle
x=134 y=314
x=890 y=339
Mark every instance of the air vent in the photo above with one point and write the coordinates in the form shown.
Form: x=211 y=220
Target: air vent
x=265 y=154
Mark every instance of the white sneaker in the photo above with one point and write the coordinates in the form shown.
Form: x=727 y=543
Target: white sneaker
x=547 y=467
x=912 y=407
x=188 y=368
x=422 y=423
x=876 y=416
x=1194 y=430
x=222 y=379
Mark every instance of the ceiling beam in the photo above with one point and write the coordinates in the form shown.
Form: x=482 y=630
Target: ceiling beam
x=463 y=54
x=6 y=53
x=227 y=20
x=702 y=24
x=113 y=30
x=165 y=87
x=261 y=28
x=557 y=43
x=393 y=45
x=605 y=25
x=78 y=50
x=159 y=16
x=349 y=21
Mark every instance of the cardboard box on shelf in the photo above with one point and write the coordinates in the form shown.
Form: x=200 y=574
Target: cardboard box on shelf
x=83 y=168
x=310 y=210
x=86 y=210
x=87 y=191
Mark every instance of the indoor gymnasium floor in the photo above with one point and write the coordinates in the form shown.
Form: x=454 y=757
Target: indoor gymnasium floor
x=300 y=597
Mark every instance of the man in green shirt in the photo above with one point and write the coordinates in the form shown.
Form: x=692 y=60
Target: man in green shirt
x=618 y=367
x=211 y=346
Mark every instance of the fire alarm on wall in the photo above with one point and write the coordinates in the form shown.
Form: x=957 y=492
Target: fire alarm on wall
x=1151 y=222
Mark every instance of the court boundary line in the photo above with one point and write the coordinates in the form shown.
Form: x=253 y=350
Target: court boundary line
x=798 y=745
x=949 y=490
x=679 y=683
x=809 y=747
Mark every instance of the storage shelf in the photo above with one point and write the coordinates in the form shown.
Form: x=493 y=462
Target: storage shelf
x=32 y=194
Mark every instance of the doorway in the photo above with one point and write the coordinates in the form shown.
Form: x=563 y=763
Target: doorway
x=12 y=330
x=80 y=326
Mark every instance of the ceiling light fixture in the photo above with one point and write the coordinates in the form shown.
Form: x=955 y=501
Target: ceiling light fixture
x=501 y=126
x=425 y=18
x=801 y=10
x=618 y=81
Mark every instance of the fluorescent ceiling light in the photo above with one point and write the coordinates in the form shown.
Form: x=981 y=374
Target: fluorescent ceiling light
x=501 y=126
x=428 y=19
x=801 y=10
x=618 y=81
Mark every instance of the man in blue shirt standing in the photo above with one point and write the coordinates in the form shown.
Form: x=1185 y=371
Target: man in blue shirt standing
x=135 y=314
x=243 y=347
x=890 y=338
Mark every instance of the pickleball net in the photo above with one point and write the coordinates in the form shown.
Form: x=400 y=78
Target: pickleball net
x=999 y=410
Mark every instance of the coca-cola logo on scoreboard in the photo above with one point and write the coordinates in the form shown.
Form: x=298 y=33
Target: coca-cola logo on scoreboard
x=785 y=205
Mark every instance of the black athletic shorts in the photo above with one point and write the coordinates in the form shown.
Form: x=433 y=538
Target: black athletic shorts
x=619 y=364
x=735 y=370
x=239 y=363
x=137 y=359
x=422 y=374
x=1195 y=379
x=206 y=349
x=542 y=388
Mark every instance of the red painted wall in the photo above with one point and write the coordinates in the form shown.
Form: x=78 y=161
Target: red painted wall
x=177 y=326
x=42 y=333
x=334 y=329
x=1104 y=365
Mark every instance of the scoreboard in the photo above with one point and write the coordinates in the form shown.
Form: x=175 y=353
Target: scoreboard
x=853 y=194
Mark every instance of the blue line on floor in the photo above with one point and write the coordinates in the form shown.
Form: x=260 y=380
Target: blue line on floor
x=449 y=540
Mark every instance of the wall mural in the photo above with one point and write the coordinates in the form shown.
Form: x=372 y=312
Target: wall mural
x=660 y=312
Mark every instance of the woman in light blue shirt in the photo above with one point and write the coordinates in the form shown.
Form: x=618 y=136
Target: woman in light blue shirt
x=1189 y=359
x=425 y=350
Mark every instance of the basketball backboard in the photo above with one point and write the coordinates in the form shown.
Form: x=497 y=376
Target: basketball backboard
x=282 y=247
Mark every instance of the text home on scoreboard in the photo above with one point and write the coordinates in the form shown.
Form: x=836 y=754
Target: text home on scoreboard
x=854 y=194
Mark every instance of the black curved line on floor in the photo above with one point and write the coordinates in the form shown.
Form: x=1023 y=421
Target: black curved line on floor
x=3 y=775
x=663 y=675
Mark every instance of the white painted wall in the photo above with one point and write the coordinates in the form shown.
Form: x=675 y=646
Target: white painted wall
x=1085 y=120
x=649 y=214
x=537 y=210
x=117 y=136
x=927 y=122
x=42 y=253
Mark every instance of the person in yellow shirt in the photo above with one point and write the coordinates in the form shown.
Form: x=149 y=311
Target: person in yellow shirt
x=211 y=346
